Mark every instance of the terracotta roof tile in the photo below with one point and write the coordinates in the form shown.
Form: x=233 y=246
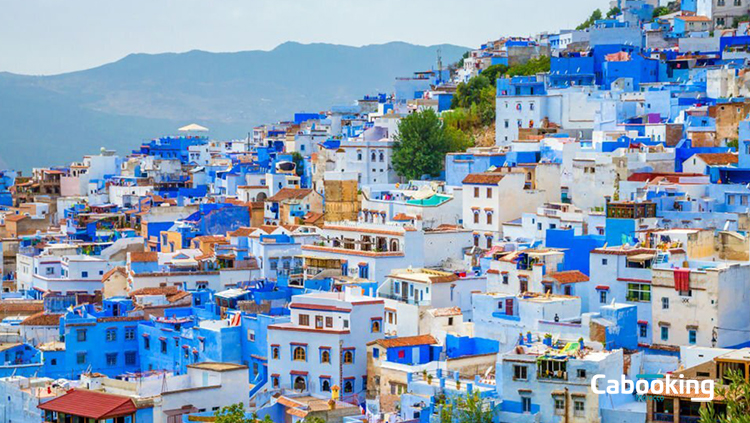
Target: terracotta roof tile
x=290 y=194
x=718 y=159
x=407 y=341
x=90 y=404
x=483 y=178
x=42 y=319
x=569 y=276
x=144 y=257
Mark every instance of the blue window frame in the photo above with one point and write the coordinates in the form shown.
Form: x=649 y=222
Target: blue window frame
x=111 y=334
x=376 y=325
x=111 y=359
x=349 y=356
x=376 y=353
x=130 y=333
x=130 y=358
x=325 y=384
x=692 y=336
x=664 y=333
x=325 y=355
x=81 y=358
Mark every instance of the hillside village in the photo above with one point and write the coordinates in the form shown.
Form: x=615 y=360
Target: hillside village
x=589 y=215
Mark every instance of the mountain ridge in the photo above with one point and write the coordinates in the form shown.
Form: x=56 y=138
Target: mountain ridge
x=59 y=118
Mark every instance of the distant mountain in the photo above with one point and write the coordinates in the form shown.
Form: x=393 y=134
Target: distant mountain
x=46 y=120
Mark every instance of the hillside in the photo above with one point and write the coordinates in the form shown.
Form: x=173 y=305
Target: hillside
x=56 y=119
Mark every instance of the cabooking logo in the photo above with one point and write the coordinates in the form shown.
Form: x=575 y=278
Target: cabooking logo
x=652 y=385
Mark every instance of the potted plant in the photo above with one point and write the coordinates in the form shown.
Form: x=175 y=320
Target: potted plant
x=429 y=379
x=424 y=374
x=458 y=384
x=548 y=339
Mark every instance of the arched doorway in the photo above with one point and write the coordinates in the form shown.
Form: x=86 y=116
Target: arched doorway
x=300 y=384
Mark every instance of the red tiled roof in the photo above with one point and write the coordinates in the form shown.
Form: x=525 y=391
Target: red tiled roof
x=42 y=319
x=290 y=194
x=407 y=341
x=670 y=176
x=144 y=257
x=243 y=231
x=91 y=405
x=718 y=159
x=570 y=276
x=483 y=178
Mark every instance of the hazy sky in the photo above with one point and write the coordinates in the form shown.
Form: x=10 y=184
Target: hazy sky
x=55 y=36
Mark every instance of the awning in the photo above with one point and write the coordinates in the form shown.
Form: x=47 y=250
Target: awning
x=641 y=257
x=602 y=288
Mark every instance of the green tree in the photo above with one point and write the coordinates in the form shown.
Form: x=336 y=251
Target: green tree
x=468 y=93
x=613 y=12
x=234 y=413
x=470 y=408
x=311 y=419
x=460 y=63
x=595 y=16
x=421 y=145
x=299 y=163
x=737 y=399
x=534 y=66
x=661 y=11
x=493 y=72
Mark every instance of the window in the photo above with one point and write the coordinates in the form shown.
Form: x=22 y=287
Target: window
x=505 y=278
x=489 y=218
x=129 y=333
x=476 y=192
x=639 y=292
x=665 y=333
x=692 y=336
x=376 y=326
x=346 y=324
x=643 y=331
x=304 y=320
x=526 y=404
x=359 y=155
x=81 y=358
x=349 y=386
x=664 y=303
x=348 y=357
x=329 y=322
x=325 y=356
x=489 y=192
x=130 y=358
x=111 y=335
x=450 y=321
x=581 y=373
x=146 y=344
x=84 y=274
x=602 y=297
x=604 y=262
x=251 y=335
x=325 y=385
x=111 y=359
x=163 y=346
x=559 y=407
x=539 y=226
x=579 y=408
x=275 y=353
x=375 y=353
x=81 y=335
x=275 y=381
x=319 y=319
x=299 y=354
x=476 y=218
x=520 y=372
